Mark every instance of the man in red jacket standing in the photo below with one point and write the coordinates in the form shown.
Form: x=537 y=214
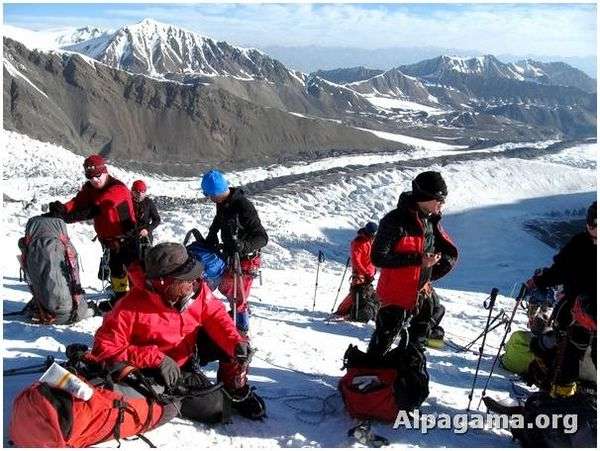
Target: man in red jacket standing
x=108 y=202
x=173 y=321
x=411 y=248
x=363 y=273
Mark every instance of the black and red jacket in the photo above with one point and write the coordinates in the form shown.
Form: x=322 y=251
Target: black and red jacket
x=398 y=250
x=110 y=207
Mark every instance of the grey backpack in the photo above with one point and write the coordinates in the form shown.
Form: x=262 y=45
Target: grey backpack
x=49 y=263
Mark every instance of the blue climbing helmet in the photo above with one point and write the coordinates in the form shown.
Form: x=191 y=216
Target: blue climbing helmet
x=371 y=228
x=214 y=183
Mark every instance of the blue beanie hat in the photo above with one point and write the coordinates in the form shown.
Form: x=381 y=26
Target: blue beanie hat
x=371 y=228
x=214 y=183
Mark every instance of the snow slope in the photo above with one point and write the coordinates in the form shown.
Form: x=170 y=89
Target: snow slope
x=298 y=362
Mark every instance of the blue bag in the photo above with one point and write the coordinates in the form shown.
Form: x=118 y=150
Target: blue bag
x=212 y=261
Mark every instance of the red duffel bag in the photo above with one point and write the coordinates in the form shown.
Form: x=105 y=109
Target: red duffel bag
x=44 y=416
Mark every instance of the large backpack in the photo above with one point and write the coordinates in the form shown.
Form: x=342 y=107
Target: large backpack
x=379 y=389
x=213 y=262
x=49 y=262
x=365 y=305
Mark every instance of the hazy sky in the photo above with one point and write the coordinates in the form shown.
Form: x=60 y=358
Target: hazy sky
x=550 y=29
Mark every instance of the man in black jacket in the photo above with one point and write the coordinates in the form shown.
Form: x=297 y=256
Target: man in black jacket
x=241 y=233
x=574 y=267
x=146 y=214
x=411 y=248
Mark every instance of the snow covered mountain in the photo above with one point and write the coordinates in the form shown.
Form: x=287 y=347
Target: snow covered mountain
x=53 y=39
x=245 y=106
x=306 y=209
x=556 y=73
x=157 y=49
x=482 y=66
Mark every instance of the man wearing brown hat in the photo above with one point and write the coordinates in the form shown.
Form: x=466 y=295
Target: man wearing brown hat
x=108 y=202
x=412 y=249
x=173 y=322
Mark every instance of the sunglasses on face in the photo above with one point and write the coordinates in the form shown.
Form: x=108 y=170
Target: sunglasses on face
x=93 y=177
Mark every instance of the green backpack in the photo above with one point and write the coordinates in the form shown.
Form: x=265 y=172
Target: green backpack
x=518 y=356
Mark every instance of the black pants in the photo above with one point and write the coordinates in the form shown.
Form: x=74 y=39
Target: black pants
x=438 y=311
x=571 y=350
x=414 y=326
x=121 y=256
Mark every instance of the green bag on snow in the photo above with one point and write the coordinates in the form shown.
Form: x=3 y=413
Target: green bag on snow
x=518 y=356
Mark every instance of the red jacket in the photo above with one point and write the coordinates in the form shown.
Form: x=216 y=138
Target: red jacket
x=142 y=329
x=110 y=207
x=360 y=254
x=398 y=251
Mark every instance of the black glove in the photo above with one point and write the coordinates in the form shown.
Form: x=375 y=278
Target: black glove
x=169 y=371
x=212 y=242
x=76 y=351
x=243 y=352
x=56 y=209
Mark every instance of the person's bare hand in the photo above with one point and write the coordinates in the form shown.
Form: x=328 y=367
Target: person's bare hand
x=431 y=259
x=143 y=233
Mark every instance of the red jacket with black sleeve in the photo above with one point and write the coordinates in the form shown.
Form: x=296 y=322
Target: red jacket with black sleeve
x=360 y=255
x=110 y=207
x=142 y=329
x=398 y=250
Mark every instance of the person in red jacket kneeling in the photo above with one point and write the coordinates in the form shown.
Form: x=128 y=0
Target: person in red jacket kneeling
x=412 y=249
x=361 y=304
x=173 y=324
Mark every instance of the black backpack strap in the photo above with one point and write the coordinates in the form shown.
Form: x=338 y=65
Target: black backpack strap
x=197 y=237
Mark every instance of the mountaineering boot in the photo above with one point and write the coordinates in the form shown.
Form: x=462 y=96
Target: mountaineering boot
x=437 y=333
x=120 y=286
x=563 y=391
x=248 y=404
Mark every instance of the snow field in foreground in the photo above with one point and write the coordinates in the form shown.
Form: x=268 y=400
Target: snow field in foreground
x=298 y=362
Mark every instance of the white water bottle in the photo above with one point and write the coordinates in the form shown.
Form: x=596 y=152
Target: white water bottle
x=58 y=377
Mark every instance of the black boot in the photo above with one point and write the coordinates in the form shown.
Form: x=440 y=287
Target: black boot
x=248 y=404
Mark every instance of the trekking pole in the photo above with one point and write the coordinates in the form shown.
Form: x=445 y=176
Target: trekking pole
x=518 y=300
x=236 y=286
x=493 y=325
x=489 y=307
x=30 y=369
x=320 y=259
x=341 y=283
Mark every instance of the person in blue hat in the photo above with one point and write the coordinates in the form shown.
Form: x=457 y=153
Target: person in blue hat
x=361 y=304
x=242 y=233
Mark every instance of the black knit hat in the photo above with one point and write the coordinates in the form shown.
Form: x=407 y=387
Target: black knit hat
x=591 y=215
x=429 y=185
x=171 y=260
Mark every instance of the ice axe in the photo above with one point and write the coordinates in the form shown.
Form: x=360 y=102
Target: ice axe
x=320 y=259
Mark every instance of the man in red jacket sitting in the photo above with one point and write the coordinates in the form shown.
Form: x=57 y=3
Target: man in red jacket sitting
x=174 y=321
x=363 y=272
x=108 y=202
x=412 y=249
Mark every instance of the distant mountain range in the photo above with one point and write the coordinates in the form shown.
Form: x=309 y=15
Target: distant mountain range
x=176 y=100
x=313 y=58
